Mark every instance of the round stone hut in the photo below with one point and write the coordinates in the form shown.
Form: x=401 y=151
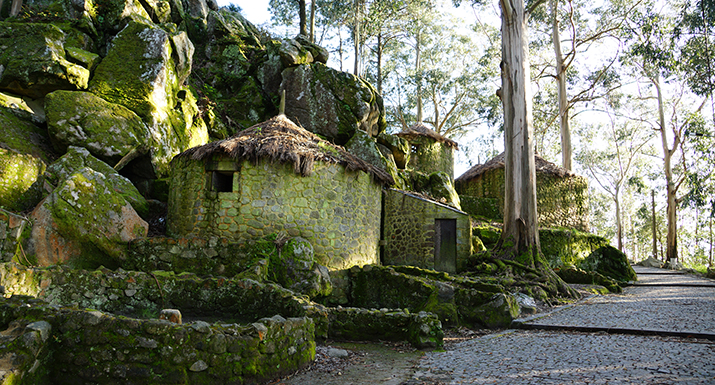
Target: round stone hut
x=430 y=151
x=561 y=196
x=277 y=177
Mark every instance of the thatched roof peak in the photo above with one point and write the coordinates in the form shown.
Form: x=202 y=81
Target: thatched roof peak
x=419 y=129
x=280 y=140
x=542 y=165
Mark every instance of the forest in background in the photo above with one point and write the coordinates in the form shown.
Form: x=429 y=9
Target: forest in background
x=622 y=94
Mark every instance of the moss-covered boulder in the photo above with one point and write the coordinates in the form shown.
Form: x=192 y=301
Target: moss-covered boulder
x=24 y=149
x=109 y=131
x=34 y=61
x=497 y=310
x=331 y=103
x=583 y=277
x=295 y=268
x=84 y=223
x=142 y=71
x=568 y=247
x=611 y=262
x=24 y=108
x=399 y=147
x=78 y=158
x=441 y=187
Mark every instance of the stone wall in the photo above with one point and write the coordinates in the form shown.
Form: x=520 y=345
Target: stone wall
x=429 y=155
x=60 y=345
x=338 y=211
x=563 y=247
x=561 y=202
x=409 y=230
x=201 y=256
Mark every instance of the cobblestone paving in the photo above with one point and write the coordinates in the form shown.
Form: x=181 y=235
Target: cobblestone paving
x=666 y=308
x=539 y=357
x=557 y=357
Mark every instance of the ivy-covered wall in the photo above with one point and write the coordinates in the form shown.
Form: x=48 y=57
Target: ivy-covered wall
x=409 y=230
x=429 y=155
x=561 y=202
x=336 y=210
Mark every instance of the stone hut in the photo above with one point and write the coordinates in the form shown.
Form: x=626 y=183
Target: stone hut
x=561 y=196
x=277 y=177
x=430 y=151
x=419 y=231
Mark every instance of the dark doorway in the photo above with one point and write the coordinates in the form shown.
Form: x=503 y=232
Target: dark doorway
x=445 y=245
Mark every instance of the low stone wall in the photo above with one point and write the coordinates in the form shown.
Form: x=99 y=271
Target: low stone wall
x=563 y=247
x=145 y=294
x=423 y=330
x=212 y=256
x=89 y=347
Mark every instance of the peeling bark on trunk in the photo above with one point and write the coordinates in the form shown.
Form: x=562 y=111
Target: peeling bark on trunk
x=671 y=248
x=419 y=80
x=563 y=97
x=619 y=225
x=520 y=220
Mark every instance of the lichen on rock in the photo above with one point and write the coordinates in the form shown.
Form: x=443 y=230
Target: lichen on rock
x=84 y=222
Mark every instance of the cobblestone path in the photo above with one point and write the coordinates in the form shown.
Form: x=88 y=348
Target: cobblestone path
x=659 y=332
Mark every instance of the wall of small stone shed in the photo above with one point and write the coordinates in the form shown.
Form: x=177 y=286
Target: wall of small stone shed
x=561 y=202
x=409 y=230
x=338 y=211
x=431 y=156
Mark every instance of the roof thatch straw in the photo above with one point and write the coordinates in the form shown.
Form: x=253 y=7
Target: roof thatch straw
x=542 y=165
x=420 y=130
x=280 y=140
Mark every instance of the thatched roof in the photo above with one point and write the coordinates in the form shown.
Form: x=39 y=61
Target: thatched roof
x=542 y=165
x=280 y=140
x=420 y=129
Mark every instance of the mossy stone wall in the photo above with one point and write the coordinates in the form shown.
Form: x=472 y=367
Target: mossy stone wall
x=429 y=155
x=561 y=202
x=409 y=230
x=77 y=346
x=336 y=210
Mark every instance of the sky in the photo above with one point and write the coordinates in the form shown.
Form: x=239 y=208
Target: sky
x=256 y=11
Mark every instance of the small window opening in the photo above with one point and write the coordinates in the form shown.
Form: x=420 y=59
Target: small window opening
x=415 y=148
x=222 y=181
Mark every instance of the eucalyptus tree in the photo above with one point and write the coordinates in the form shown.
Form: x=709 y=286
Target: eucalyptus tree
x=453 y=86
x=612 y=153
x=655 y=56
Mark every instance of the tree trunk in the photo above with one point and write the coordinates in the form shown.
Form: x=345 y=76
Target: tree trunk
x=563 y=97
x=520 y=234
x=710 y=237
x=356 y=37
x=655 y=234
x=671 y=249
x=419 y=77
x=312 y=21
x=303 y=18
x=379 y=63
x=15 y=7
x=619 y=225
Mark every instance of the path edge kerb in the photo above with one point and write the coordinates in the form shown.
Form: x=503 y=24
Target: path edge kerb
x=516 y=324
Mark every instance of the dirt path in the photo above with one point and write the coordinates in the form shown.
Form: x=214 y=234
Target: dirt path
x=366 y=363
